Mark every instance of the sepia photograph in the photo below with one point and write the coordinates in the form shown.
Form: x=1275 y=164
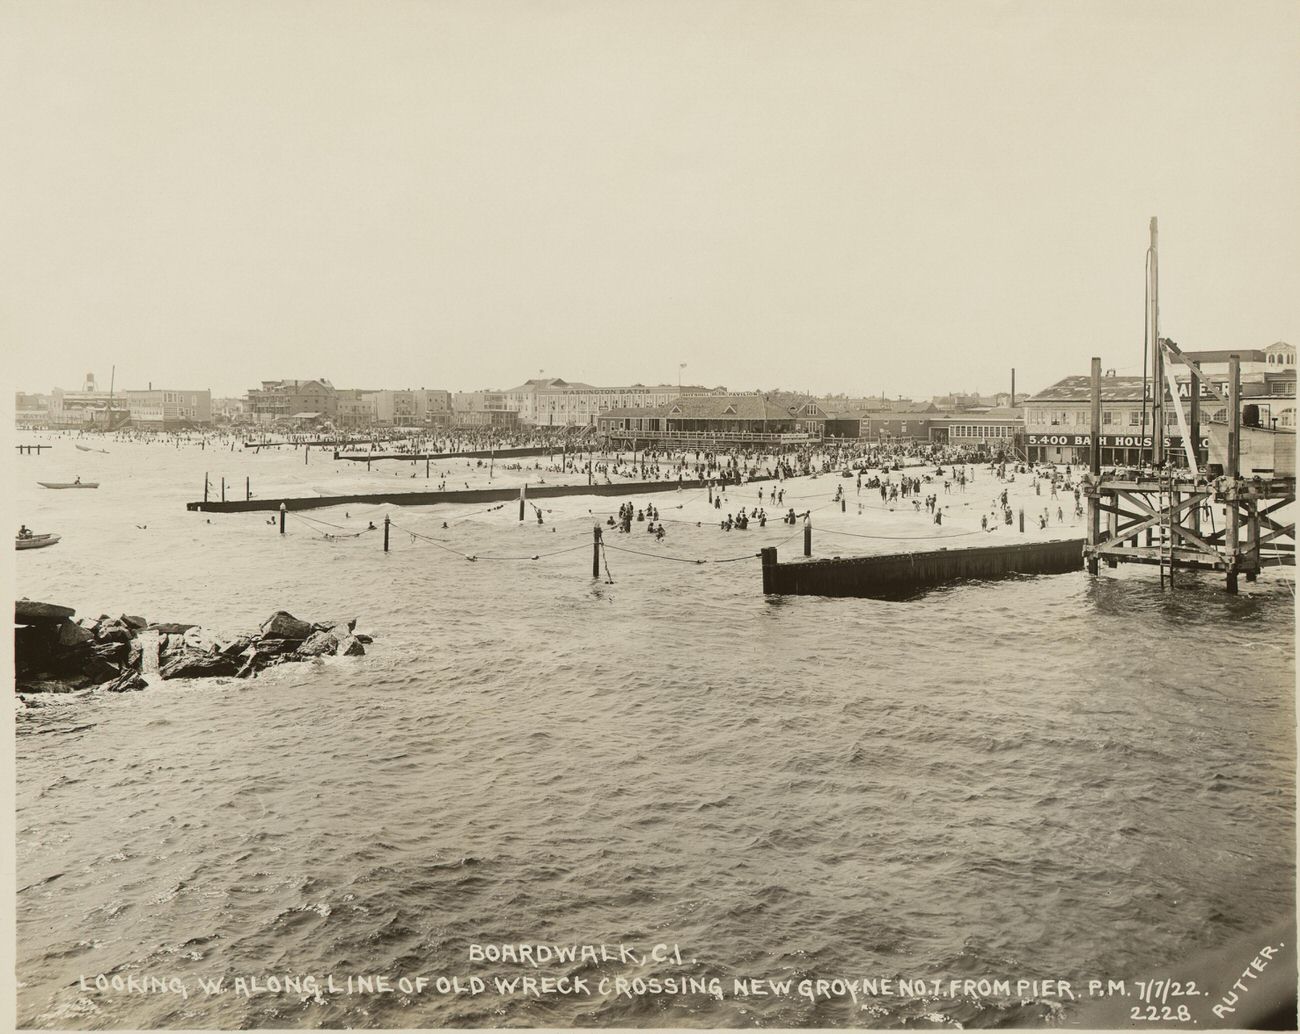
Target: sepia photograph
x=669 y=515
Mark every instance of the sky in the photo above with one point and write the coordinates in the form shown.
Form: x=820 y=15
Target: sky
x=861 y=197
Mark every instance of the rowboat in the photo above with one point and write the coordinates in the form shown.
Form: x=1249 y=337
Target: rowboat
x=68 y=484
x=87 y=448
x=35 y=541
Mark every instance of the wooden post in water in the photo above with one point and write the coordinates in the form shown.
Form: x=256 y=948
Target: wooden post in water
x=1252 y=538
x=1112 y=528
x=223 y=488
x=205 y=486
x=768 y=554
x=283 y=510
x=248 y=488
x=523 y=489
x=1022 y=520
x=387 y=521
x=807 y=535
x=595 y=551
x=1094 y=466
x=1233 y=530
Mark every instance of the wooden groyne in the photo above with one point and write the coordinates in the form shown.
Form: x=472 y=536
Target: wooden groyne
x=899 y=574
x=472 y=495
x=478 y=454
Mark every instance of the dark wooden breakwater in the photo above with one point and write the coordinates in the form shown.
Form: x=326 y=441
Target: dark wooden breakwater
x=477 y=454
x=897 y=574
x=472 y=495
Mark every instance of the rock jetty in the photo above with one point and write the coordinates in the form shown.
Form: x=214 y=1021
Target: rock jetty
x=54 y=652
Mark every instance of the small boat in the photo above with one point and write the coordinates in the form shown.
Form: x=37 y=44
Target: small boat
x=68 y=484
x=34 y=541
x=87 y=448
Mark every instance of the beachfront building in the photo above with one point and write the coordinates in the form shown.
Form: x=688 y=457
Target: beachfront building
x=1058 y=419
x=229 y=410
x=87 y=409
x=997 y=430
x=31 y=410
x=554 y=402
x=899 y=426
x=354 y=407
x=752 y=418
x=168 y=409
x=411 y=407
x=293 y=400
x=485 y=408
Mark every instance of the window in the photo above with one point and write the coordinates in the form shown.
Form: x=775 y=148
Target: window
x=1134 y=417
x=1106 y=416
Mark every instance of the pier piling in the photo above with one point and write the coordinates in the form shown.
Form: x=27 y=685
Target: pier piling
x=768 y=555
x=1094 y=465
x=387 y=523
x=595 y=551
x=283 y=510
x=807 y=535
x=223 y=488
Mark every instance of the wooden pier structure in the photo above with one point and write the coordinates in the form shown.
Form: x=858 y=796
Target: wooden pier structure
x=1156 y=513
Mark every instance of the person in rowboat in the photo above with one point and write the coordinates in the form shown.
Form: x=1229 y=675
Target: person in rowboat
x=77 y=480
x=24 y=532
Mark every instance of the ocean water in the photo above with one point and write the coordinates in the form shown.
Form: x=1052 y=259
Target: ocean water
x=1053 y=777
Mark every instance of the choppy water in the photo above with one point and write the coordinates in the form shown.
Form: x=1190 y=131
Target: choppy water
x=1046 y=777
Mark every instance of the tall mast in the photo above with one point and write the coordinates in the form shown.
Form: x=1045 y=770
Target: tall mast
x=1157 y=357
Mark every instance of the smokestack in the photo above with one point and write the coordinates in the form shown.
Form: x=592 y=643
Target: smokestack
x=1013 y=386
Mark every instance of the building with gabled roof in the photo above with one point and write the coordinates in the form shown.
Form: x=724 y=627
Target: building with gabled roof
x=555 y=402
x=720 y=419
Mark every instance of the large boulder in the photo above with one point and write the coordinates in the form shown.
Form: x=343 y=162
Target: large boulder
x=171 y=627
x=235 y=647
x=132 y=622
x=30 y=612
x=198 y=666
x=204 y=641
x=273 y=647
x=99 y=669
x=351 y=647
x=340 y=626
x=320 y=643
x=283 y=625
x=113 y=631
x=258 y=660
x=72 y=634
x=127 y=682
x=111 y=650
